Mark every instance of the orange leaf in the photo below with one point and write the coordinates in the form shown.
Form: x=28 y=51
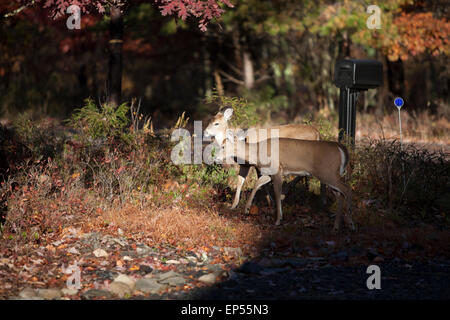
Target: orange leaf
x=254 y=210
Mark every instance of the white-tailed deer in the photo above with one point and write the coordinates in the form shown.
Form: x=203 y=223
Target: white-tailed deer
x=218 y=127
x=325 y=160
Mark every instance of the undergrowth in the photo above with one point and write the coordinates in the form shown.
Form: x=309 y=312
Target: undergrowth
x=106 y=167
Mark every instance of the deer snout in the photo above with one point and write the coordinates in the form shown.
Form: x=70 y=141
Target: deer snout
x=206 y=134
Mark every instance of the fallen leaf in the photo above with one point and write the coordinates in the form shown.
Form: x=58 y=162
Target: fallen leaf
x=73 y=250
x=253 y=210
x=99 y=253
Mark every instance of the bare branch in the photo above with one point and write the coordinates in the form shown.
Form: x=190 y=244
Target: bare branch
x=18 y=10
x=262 y=78
x=231 y=78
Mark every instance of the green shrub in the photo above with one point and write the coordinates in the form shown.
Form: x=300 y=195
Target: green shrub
x=267 y=101
x=39 y=137
x=104 y=122
x=245 y=113
x=326 y=130
x=214 y=174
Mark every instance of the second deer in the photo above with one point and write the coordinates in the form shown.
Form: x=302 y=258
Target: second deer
x=325 y=160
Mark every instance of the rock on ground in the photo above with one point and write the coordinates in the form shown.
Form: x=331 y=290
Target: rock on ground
x=69 y=291
x=93 y=293
x=168 y=274
x=174 y=281
x=120 y=289
x=49 y=294
x=28 y=293
x=209 y=278
x=125 y=279
x=149 y=286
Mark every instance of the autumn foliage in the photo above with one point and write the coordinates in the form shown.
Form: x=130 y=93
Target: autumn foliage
x=420 y=33
x=204 y=10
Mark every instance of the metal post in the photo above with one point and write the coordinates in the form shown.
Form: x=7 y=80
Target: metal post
x=348 y=108
x=347 y=113
x=400 y=123
x=342 y=113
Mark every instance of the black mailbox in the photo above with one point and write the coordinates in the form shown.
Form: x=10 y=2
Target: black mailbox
x=358 y=74
x=353 y=76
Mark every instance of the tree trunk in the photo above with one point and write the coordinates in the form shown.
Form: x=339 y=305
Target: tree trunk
x=249 y=75
x=115 y=56
x=82 y=81
x=206 y=89
x=344 y=47
x=396 y=77
x=243 y=60
x=218 y=81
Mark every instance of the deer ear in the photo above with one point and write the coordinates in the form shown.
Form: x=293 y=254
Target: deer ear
x=228 y=113
x=241 y=134
x=230 y=135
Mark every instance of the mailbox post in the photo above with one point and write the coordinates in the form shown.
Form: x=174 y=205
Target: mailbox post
x=352 y=77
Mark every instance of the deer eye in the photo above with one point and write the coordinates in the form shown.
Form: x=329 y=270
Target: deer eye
x=216 y=124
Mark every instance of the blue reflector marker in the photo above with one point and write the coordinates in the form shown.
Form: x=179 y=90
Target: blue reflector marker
x=398 y=102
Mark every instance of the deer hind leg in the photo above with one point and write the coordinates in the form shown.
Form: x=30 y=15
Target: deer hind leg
x=306 y=182
x=277 y=184
x=342 y=193
x=348 y=215
x=243 y=173
x=261 y=181
x=293 y=183
x=268 y=197
x=347 y=199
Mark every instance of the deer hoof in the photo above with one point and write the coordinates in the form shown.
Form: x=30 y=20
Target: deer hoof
x=277 y=223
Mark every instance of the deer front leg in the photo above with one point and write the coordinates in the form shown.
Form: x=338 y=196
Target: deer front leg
x=291 y=185
x=268 y=197
x=243 y=173
x=261 y=181
x=277 y=186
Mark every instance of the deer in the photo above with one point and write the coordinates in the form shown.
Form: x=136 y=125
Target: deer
x=325 y=160
x=218 y=127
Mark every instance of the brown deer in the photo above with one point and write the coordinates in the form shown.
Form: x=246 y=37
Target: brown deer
x=325 y=160
x=218 y=127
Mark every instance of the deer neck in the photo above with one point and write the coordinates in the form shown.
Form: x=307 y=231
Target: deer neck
x=221 y=138
x=239 y=150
